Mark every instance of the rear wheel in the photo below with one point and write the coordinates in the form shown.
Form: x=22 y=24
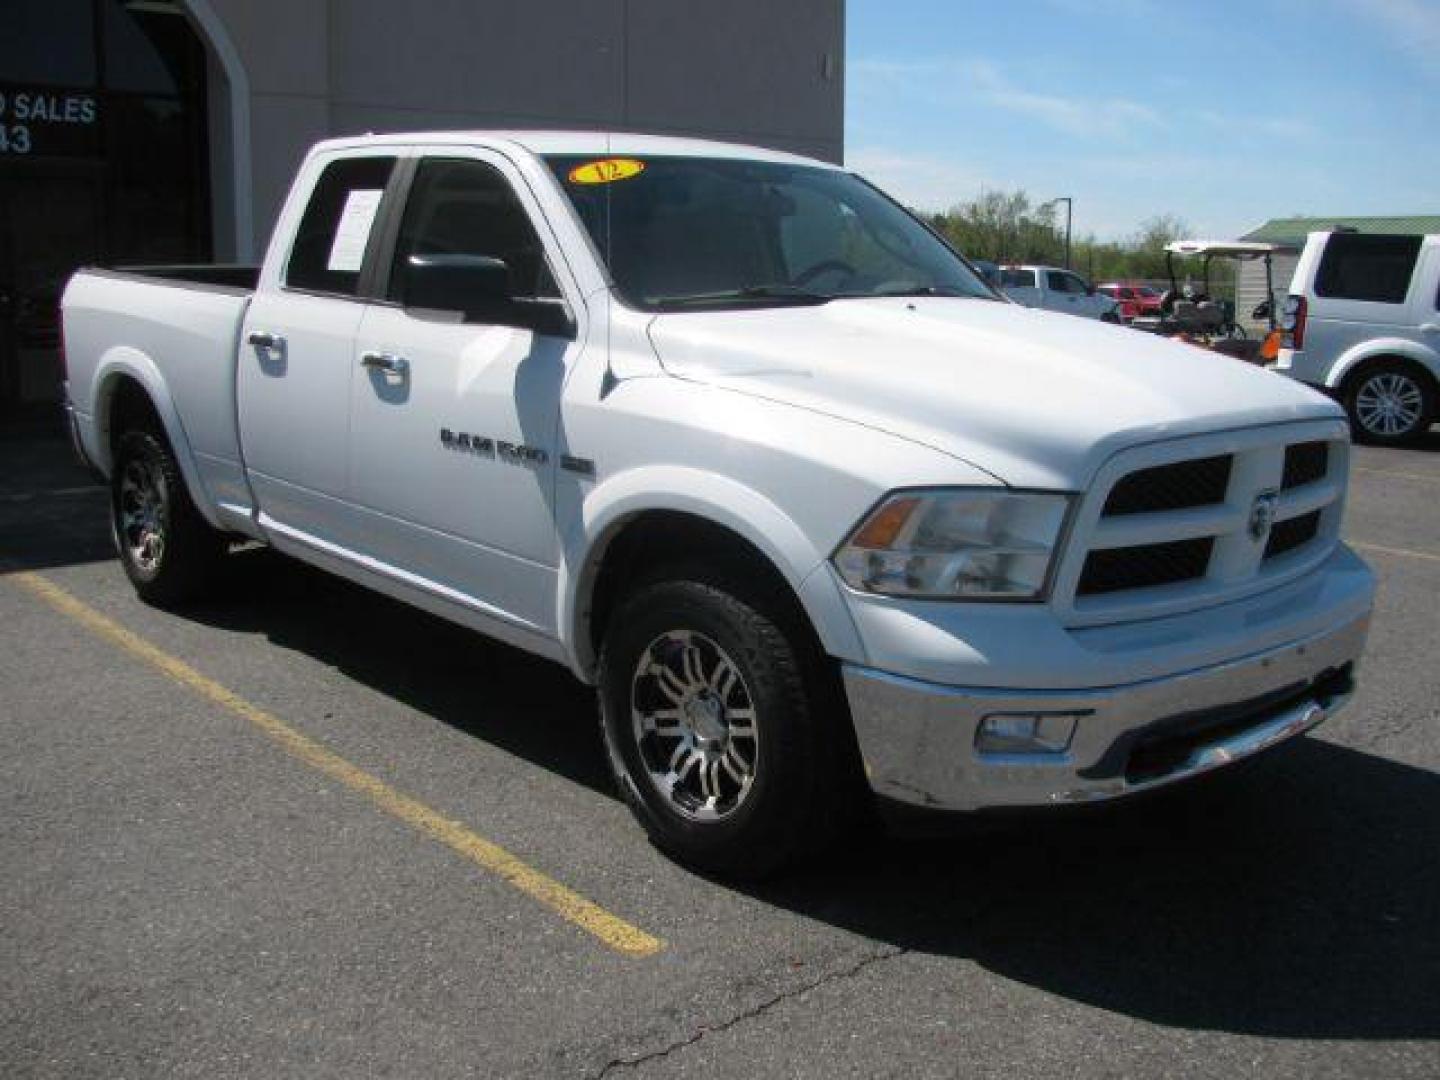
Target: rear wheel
x=169 y=552
x=716 y=716
x=1390 y=403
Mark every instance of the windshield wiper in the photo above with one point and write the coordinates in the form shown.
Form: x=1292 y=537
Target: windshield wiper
x=784 y=294
x=918 y=290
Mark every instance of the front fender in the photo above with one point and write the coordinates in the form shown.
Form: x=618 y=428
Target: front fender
x=1368 y=350
x=717 y=499
x=122 y=362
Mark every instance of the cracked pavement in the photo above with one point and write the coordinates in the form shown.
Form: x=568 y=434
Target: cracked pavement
x=180 y=898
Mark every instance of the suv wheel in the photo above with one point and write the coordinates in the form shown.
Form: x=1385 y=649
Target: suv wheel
x=1390 y=404
x=714 y=716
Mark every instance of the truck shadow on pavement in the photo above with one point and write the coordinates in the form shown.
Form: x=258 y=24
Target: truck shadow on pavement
x=1298 y=898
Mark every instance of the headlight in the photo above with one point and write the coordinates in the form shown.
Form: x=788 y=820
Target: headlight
x=954 y=543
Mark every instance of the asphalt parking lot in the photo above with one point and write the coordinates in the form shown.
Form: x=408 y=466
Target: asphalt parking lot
x=308 y=831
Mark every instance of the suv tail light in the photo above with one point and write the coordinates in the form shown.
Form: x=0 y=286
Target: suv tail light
x=1292 y=321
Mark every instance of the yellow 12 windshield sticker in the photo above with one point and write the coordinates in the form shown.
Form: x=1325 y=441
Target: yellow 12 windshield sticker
x=606 y=171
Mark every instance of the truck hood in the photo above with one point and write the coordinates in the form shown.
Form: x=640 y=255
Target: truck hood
x=1037 y=399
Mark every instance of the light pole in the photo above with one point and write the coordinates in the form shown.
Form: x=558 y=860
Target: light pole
x=1069 y=202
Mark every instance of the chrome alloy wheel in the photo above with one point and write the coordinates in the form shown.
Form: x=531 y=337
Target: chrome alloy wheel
x=1389 y=404
x=694 y=723
x=143 y=513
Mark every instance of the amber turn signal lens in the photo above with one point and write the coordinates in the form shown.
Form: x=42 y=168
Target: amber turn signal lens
x=881 y=530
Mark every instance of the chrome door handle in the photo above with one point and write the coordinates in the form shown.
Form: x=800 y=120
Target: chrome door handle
x=263 y=339
x=1430 y=328
x=389 y=363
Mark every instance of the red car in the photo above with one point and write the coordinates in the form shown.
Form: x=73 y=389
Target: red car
x=1135 y=298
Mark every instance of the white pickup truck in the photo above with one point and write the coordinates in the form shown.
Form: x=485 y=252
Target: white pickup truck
x=739 y=441
x=1054 y=289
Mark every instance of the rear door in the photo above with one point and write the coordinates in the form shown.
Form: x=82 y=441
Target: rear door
x=453 y=423
x=1066 y=292
x=1365 y=286
x=297 y=347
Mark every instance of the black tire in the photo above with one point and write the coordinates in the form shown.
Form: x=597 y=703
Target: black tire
x=169 y=552
x=800 y=753
x=1110 y=317
x=1406 y=387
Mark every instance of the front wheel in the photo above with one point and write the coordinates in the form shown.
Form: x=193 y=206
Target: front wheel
x=168 y=551
x=1390 y=404
x=715 y=718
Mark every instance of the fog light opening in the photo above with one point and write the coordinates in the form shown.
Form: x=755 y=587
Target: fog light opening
x=1026 y=732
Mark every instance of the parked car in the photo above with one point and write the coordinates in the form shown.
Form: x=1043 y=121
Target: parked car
x=1363 y=322
x=807 y=502
x=1134 y=298
x=1054 y=289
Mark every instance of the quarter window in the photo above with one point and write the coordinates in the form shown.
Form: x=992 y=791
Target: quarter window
x=468 y=208
x=1017 y=279
x=330 y=244
x=1373 y=268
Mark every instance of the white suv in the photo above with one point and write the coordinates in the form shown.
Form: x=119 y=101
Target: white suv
x=1363 y=323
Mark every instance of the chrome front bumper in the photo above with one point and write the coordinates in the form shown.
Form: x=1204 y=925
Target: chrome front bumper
x=918 y=739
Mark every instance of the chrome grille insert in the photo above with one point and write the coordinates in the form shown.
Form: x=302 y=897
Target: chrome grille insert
x=1190 y=523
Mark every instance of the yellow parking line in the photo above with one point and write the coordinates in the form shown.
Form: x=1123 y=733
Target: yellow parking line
x=1431 y=556
x=1397 y=475
x=589 y=916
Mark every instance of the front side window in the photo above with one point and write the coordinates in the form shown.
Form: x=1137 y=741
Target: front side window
x=686 y=231
x=329 y=248
x=466 y=207
x=1373 y=268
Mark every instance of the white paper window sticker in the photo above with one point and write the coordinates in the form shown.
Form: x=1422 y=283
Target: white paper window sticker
x=347 y=253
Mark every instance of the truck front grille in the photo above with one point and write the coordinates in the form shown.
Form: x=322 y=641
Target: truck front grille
x=1203 y=528
x=1144 y=566
x=1305 y=463
x=1286 y=536
x=1171 y=487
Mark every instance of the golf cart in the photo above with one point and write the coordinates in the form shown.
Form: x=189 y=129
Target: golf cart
x=1193 y=314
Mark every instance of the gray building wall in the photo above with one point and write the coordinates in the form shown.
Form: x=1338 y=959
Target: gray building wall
x=755 y=71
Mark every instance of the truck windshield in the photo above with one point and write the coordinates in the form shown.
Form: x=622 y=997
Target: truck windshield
x=692 y=233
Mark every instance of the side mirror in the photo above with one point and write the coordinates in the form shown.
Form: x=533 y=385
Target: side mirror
x=1262 y=311
x=479 y=288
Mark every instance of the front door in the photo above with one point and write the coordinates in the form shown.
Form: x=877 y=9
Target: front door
x=453 y=424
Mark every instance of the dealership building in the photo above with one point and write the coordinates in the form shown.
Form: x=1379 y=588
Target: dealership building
x=135 y=131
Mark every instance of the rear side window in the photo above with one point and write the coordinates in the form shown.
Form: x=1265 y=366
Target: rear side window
x=466 y=207
x=1017 y=279
x=1373 y=268
x=329 y=247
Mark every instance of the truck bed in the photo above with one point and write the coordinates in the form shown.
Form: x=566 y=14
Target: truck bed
x=181 y=324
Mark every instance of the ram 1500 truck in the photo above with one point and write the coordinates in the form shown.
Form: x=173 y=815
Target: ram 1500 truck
x=742 y=443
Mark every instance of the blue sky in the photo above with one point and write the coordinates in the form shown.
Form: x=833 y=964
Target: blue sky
x=1226 y=112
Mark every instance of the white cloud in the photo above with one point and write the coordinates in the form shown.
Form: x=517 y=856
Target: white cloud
x=923 y=181
x=947 y=83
